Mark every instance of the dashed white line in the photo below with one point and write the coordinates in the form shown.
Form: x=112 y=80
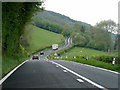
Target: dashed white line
x=57 y=66
x=64 y=70
x=80 y=80
x=91 y=82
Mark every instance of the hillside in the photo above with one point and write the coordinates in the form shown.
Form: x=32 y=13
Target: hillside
x=39 y=38
x=56 y=22
x=56 y=17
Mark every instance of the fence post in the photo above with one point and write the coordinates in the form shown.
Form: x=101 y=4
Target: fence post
x=113 y=62
x=86 y=57
x=74 y=56
x=66 y=56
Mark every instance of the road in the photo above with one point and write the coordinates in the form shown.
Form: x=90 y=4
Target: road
x=43 y=73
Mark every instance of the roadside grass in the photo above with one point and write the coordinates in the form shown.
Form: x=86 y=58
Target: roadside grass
x=79 y=51
x=39 y=38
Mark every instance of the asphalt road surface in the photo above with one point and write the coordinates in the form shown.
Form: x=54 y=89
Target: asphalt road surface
x=43 y=73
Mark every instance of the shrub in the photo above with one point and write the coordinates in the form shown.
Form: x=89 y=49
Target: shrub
x=107 y=58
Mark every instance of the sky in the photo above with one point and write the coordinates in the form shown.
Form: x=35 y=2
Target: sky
x=89 y=11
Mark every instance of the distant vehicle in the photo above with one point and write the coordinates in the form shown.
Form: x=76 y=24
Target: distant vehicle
x=55 y=46
x=35 y=57
x=41 y=53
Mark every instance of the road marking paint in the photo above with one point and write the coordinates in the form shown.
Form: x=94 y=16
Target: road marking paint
x=96 y=67
x=100 y=68
x=5 y=77
x=57 y=66
x=80 y=80
x=64 y=70
x=88 y=80
x=53 y=63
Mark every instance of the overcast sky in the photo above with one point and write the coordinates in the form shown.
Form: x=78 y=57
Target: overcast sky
x=89 y=11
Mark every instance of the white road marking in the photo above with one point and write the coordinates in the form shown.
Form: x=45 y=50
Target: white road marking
x=64 y=71
x=80 y=80
x=97 y=67
x=100 y=68
x=57 y=66
x=84 y=78
x=5 y=77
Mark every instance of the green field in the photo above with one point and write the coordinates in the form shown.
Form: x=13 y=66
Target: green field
x=79 y=51
x=39 y=38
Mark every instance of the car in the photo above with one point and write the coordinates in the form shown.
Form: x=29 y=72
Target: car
x=41 y=53
x=35 y=57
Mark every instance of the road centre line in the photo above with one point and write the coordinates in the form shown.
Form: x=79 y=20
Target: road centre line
x=93 y=83
x=5 y=77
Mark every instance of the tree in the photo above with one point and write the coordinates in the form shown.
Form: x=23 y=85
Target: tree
x=82 y=29
x=15 y=16
x=107 y=25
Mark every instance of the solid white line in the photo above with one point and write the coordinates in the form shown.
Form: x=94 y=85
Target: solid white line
x=80 y=80
x=5 y=77
x=93 y=83
x=100 y=68
x=96 y=67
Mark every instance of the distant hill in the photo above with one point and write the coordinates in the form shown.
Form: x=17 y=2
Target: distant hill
x=56 y=22
x=59 y=18
x=56 y=17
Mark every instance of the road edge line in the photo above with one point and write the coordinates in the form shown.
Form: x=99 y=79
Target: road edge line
x=6 y=76
x=97 y=67
x=88 y=80
x=101 y=68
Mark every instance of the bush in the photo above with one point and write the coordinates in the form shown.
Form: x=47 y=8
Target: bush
x=107 y=58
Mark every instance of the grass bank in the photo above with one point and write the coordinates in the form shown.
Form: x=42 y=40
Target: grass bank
x=39 y=38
